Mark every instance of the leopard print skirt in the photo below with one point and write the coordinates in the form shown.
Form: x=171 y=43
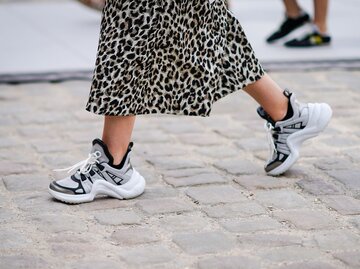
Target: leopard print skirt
x=169 y=56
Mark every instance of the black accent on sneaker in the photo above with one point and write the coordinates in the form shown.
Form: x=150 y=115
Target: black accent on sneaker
x=109 y=156
x=289 y=25
x=263 y=114
x=57 y=187
x=314 y=39
x=121 y=164
x=290 y=111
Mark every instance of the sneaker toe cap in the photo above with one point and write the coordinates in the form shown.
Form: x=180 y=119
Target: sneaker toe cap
x=56 y=187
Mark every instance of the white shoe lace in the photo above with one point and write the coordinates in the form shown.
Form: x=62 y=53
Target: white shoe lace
x=282 y=137
x=85 y=165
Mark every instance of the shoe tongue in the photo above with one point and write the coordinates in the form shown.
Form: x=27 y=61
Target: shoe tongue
x=99 y=145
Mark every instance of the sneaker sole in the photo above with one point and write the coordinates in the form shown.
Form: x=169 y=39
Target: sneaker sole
x=320 y=115
x=133 y=188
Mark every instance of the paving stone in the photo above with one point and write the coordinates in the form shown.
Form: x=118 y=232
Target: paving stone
x=66 y=238
x=350 y=258
x=345 y=205
x=354 y=154
x=203 y=243
x=54 y=160
x=337 y=240
x=245 y=209
x=186 y=172
x=255 y=182
x=171 y=163
x=201 y=139
x=22 y=262
x=103 y=203
x=10 y=168
x=340 y=142
x=9 y=142
x=252 y=144
x=39 y=203
x=306 y=219
x=98 y=264
x=75 y=249
x=251 y=225
x=117 y=217
x=166 y=149
x=350 y=178
x=229 y=262
x=39 y=117
x=155 y=136
x=152 y=177
x=270 y=240
x=319 y=187
x=238 y=166
x=26 y=182
x=51 y=223
x=3 y=200
x=355 y=221
x=196 y=180
x=150 y=255
x=11 y=239
x=155 y=192
x=281 y=199
x=184 y=223
x=34 y=130
x=161 y=206
x=138 y=161
x=222 y=151
x=298 y=172
x=23 y=155
x=182 y=127
x=6 y=215
x=334 y=163
x=133 y=236
x=308 y=265
x=49 y=146
x=215 y=194
x=289 y=253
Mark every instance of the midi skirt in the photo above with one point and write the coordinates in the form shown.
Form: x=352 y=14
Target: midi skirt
x=170 y=57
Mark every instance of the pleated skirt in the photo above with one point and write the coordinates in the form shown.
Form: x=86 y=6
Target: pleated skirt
x=170 y=57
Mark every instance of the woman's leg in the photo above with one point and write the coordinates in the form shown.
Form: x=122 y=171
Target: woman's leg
x=293 y=9
x=320 y=17
x=117 y=135
x=270 y=96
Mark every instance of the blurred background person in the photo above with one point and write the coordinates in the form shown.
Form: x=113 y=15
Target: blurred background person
x=296 y=17
x=95 y=4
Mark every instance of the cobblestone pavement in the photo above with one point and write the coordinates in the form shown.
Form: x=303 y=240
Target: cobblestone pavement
x=208 y=203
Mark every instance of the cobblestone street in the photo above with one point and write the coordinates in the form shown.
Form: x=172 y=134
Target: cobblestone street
x=208 y=203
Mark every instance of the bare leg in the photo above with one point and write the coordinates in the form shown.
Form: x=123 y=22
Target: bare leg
x=270 y=96
x=292 y=8
x=320 y=18
x=117 y=134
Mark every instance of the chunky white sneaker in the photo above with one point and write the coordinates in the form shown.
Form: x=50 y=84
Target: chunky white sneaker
x=97 y=175
x=285 y=137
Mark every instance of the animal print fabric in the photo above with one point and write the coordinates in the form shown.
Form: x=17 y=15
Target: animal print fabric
x=169 y=56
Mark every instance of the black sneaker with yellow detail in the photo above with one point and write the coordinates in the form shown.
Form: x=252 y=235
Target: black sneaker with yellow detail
x=314 y=39
x=288 y=26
